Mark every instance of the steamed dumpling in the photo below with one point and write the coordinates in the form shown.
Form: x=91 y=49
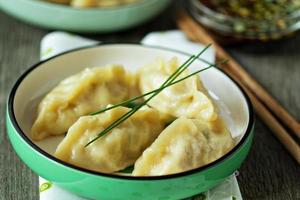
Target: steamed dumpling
x=99 y=3
x=117 y=149
x=81 y=94
x=188 y=98
x=184 y=145
x=84 y=3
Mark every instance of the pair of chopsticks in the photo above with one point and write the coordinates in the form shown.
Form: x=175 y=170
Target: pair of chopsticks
x=264 y=104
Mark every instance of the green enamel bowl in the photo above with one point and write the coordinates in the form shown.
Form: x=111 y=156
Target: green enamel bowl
x=87 y=20
x=40 y=78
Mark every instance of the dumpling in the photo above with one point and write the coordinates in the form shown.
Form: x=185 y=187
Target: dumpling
x=60 y=1
x=184 y=145
x=99 y=3
x=81 y=94
x=188 y=98
x=117 y=149
x=84 y=3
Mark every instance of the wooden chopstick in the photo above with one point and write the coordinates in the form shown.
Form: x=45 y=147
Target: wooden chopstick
x=256 y=92
x=283 y=136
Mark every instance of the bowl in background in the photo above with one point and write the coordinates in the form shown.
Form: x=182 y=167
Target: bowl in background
x=84 y=20
x=230 y=29
x=40 y=78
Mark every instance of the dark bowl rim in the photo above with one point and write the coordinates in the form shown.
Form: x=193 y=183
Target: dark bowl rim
x=15 y=124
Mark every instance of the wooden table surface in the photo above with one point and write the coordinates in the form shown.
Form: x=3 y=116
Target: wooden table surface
x=269 y=172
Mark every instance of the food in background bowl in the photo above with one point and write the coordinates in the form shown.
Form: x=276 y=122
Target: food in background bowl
x=90 y=20
x=233 y=106
x=93 y=3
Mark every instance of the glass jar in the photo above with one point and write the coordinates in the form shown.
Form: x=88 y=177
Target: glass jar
x=228 y=29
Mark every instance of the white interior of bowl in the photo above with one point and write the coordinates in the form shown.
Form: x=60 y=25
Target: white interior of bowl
x=38 y=82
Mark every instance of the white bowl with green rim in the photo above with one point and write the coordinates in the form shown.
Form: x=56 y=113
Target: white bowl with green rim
x=42 y=77
x=84 y=20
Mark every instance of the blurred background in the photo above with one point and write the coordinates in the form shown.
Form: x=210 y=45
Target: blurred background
x=261 y=35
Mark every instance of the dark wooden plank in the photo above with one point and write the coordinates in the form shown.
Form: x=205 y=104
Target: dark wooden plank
x=268 y=173
x=18 y=50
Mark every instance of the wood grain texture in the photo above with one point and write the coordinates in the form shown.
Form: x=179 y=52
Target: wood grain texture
x=18 y=50
x=268 y=173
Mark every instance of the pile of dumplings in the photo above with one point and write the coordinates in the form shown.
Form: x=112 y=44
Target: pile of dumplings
x=178 y=130
x=93 y=3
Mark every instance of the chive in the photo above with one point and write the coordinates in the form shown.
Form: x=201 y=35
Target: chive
x=135 y=98
x=129 y=103
x=187 y=62
x=127 y=170
x=136 y=108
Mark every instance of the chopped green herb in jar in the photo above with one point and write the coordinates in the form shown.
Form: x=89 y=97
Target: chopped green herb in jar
x=261 y=19
x=254 y=9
